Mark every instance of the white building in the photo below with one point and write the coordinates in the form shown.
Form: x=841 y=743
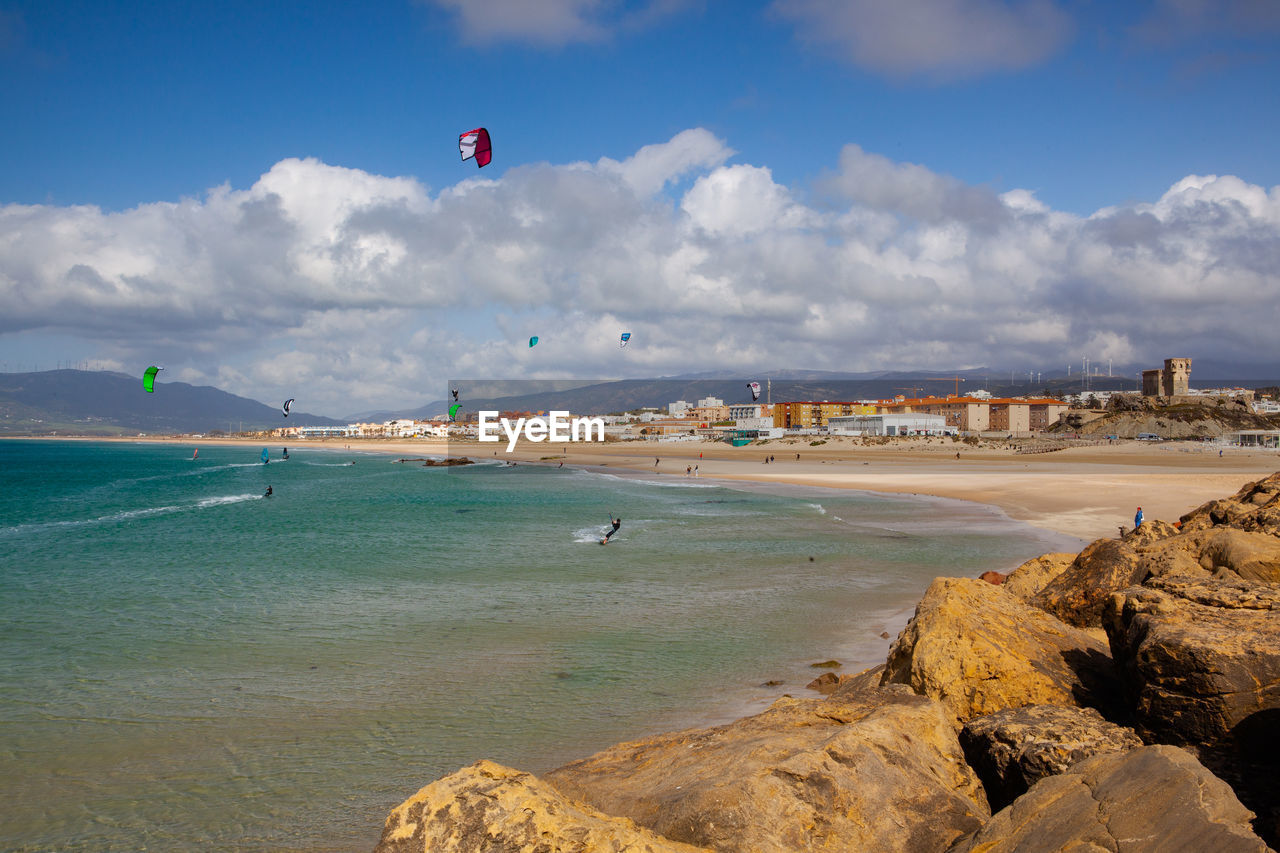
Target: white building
x=745 y=411
x=710 y=403
x=678 y=408
x=903 y=424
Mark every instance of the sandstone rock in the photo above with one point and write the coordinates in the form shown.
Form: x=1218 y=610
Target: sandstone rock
x=1255 y=508
x=1201 y=660
x=487 y=808
x=1013 y=749
x=880 y=770
x=1150 y=531
x=1199 y=657
x=1031 y=577
x=1225 y=511
x=868 y=679
x=829 y=683
x=825 y=683
x=1252 y=556
x=1148 y=800
x=1177 y=555
x=978 y=650
x=1077 y=595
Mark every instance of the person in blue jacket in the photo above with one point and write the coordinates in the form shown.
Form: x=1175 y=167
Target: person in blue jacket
x=1137 y=519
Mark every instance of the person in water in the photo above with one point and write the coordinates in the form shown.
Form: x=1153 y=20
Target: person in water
x=617 y=522
x=267 y=494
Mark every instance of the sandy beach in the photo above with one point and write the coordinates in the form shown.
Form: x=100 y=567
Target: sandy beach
x=1087 y=491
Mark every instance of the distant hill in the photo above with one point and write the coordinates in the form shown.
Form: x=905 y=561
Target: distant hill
x=628 y=394
x=84 y=402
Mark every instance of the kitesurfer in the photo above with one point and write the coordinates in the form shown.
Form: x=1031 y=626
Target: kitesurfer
x=616 y=523
x=267 y=494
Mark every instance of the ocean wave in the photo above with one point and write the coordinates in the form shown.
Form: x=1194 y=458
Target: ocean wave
x=676 y=482
x=127 y=515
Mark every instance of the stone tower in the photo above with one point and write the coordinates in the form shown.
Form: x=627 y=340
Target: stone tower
x=1175 y=379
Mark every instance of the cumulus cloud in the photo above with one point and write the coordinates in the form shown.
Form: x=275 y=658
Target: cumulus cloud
x=933 y=38
x=355 y=291
x=553 y=23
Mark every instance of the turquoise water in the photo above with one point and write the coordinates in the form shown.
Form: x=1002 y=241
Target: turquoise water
x=188 y=665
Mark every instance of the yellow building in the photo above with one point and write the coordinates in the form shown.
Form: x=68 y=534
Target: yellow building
x=812 y=414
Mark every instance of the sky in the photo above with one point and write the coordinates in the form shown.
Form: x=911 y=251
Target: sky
x=269 y=198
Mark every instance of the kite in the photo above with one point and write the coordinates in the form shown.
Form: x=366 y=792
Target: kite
x=755 y=390
x=453 y=410
x=475 y=143
x=149 y=378
x=285 y=407
x=533 y=341
x=626 y=336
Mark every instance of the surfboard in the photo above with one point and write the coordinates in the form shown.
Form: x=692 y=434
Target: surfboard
x=604 y=541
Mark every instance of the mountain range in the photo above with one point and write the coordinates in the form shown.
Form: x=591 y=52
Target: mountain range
x=79 y=402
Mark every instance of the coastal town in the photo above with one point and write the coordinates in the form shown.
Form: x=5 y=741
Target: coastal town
x=976 y=414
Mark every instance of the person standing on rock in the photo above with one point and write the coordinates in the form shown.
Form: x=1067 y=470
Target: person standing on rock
x=1137 y=519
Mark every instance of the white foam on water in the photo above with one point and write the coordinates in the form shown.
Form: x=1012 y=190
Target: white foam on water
x=128 y=514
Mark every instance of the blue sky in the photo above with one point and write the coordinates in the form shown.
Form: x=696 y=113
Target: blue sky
x=268 y=194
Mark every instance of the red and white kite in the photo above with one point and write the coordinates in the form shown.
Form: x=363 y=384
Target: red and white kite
x=475 y=143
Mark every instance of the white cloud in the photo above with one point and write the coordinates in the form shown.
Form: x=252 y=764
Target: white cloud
x=352 y=291
x=554 y=23
x=935 y=38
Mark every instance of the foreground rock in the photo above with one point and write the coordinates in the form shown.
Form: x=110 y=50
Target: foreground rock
x=1011 y=750
x=1076 y=596
x=1032 y=576
x=1148 y=800
x=879 y=770
x=978 y=650
x=1200 y=657
x=486 y=808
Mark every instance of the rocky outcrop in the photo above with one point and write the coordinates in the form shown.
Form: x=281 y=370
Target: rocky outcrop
x=1255 y=508
x=1077 y=595
x=1148 y=800
x=1013 y=749
x=1200 y=661
x=1032 y=576
x=880 y=770
x=979 y=650
x=1199 y=657
x=1251 y=555
x=486 y=808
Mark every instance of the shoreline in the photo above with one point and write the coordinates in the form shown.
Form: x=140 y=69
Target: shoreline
x=1084 y=492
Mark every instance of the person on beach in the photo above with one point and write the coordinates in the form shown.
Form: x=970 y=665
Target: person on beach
x=1137 y=519
x=617 y=522
x=695 y=470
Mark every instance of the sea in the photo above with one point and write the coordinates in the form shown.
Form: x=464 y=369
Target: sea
x=186 y=664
